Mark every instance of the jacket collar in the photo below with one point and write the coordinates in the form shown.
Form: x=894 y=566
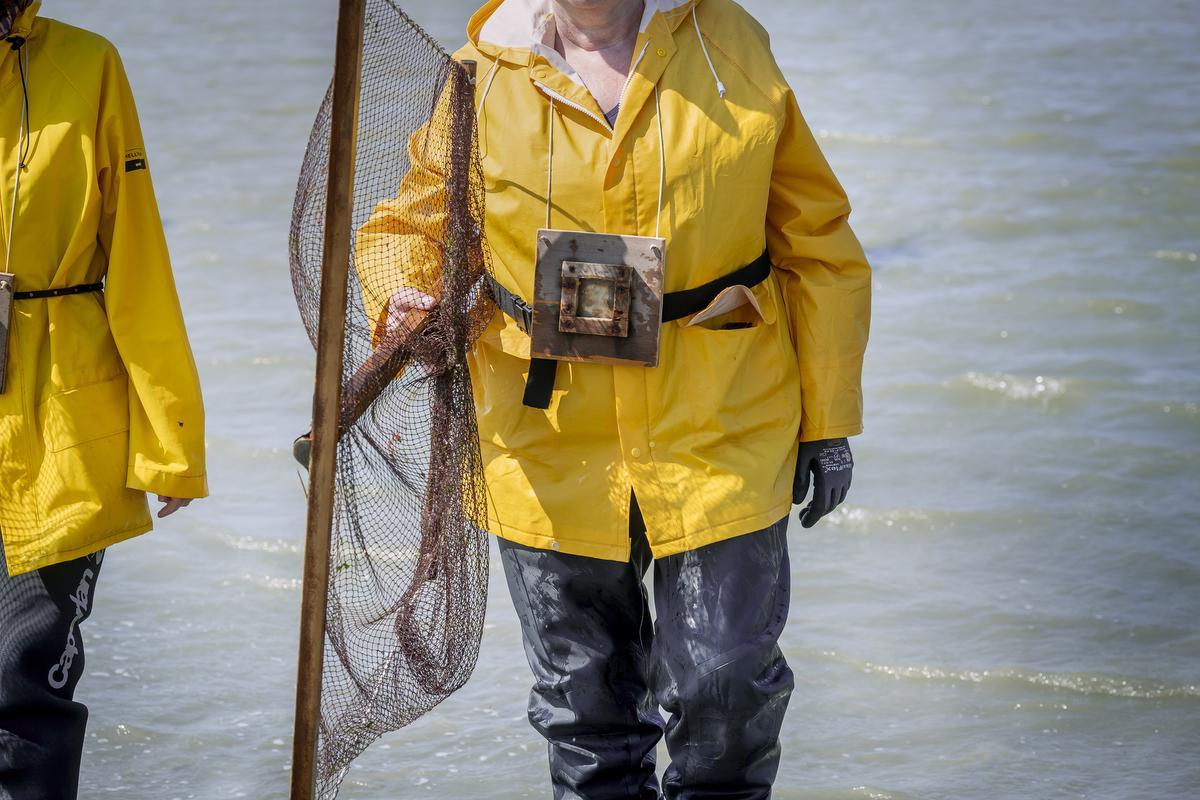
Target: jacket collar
x=518 y=31
x=521 y=33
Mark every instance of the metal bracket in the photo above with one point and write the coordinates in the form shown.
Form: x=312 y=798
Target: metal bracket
x=595 y=298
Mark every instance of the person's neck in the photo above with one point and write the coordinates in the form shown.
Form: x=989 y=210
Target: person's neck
x=612 y=24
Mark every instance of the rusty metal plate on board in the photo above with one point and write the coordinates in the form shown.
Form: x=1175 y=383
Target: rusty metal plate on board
x=595 y=298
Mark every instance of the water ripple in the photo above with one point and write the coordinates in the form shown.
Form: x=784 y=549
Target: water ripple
x=255 y=545
x=872 y=793
x=872 y=138
x=1017 y=388
x=1176 y=255
x=274 y=584
x=862 y=519
x=1079 y=682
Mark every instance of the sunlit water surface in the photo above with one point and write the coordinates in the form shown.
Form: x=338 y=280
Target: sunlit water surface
x=1006 y=608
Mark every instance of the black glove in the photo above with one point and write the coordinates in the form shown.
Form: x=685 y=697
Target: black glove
x=833 y=465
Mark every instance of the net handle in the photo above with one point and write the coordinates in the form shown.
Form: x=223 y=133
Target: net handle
x=339 y=204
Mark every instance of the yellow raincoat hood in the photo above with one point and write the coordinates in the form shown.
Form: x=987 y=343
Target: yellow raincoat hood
x=23 y=24
x=103 y=401
x=707 y=440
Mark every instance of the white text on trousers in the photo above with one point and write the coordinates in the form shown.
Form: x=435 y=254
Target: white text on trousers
x=61 y=672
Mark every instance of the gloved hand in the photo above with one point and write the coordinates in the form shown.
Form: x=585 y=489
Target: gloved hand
x=832 y=464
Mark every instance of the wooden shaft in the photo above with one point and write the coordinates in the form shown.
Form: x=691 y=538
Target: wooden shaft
x=339 y=205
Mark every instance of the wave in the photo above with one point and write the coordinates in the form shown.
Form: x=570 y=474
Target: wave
x=1176 y=255
x=871 y=793
x=253 y=545
x=853 y=793
x=852 y=137
x=1186 y=409
x=856 y=518
x=1014 y=387
x=1077 y=682
x=274 y=584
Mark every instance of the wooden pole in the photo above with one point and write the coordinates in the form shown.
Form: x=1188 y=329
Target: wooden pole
x=339 y=207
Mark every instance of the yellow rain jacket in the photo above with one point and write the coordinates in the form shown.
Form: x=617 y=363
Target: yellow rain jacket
x=707 y=440
x=103 y=400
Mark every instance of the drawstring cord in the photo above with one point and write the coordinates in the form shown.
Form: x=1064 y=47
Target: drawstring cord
x=662 y=146
x=662 y=164
x=23 y=141
x=704 y=49
x=550 y=164
x=487 y=86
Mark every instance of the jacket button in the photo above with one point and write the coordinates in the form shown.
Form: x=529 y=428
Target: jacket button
x=661 y=52
x=555 y=546
x=636 y=452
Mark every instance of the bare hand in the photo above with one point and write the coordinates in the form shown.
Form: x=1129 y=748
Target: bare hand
x=171 y=505
x=406 y=299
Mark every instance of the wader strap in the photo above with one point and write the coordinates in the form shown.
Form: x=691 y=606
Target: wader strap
x=540 y=383
x=676 y=305
x=514 y=307
x=40 y=294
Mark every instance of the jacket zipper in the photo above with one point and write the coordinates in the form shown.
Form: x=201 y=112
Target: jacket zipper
x=629 y=77
x=569 y=103
x=572 y=104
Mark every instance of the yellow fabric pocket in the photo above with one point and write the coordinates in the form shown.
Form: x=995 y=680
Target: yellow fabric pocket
x=734 y=308
x=85 y=413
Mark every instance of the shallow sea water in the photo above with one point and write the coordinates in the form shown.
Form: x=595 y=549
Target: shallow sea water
x=1008 y=605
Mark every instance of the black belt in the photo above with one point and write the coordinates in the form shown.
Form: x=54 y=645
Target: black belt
x=82 y=288
x=676 y=305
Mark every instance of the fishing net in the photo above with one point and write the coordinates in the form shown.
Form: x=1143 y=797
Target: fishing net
x=408 y=581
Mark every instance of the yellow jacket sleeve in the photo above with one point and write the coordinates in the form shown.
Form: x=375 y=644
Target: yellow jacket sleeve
x=166 y=413
x=401 y=244
x=825 y=278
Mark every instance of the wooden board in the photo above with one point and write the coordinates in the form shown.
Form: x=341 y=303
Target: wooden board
x=643 y=255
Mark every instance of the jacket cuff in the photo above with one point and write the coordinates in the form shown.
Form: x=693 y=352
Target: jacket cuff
x=831 y=433
x=167 y=484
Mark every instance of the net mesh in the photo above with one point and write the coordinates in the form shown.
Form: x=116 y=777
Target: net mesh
x=408 y=580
